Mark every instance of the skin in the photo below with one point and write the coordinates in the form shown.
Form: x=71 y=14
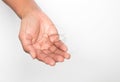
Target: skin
x=38 y=35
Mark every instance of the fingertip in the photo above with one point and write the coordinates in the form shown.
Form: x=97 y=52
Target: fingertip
x=61 y=45
x=64 y=48
x=52 y=63
x=33 y=55
x=60 y=59
x=67 y=56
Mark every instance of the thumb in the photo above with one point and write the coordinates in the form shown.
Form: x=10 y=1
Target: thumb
x=28 y=47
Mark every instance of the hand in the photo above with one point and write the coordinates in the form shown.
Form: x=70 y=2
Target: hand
x=39 y=38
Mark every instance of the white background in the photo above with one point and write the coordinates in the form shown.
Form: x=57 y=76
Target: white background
x=91 y=30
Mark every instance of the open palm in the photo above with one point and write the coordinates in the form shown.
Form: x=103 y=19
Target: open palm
x=40 y=38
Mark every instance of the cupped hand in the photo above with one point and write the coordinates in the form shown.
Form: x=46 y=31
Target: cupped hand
x=40 y=38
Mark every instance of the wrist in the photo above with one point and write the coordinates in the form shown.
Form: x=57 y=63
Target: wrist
x=29 y=8
x=22 y=7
